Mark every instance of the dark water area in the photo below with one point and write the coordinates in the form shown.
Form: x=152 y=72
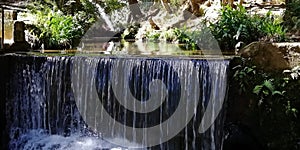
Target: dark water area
x=40 y=109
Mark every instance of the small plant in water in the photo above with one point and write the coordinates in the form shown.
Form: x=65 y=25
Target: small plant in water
x=183 y=37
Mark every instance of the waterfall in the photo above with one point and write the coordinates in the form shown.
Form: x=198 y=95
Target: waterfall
x=49 y=102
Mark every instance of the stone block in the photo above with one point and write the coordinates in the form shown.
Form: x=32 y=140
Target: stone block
x=18 y=32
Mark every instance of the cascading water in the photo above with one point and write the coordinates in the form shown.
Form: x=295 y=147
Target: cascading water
x=47 y=109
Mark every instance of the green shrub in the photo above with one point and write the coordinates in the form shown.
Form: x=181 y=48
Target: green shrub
x=111 y=5
x=153 y=36
x=292 y=15
x=270 y=28
x=273 y=104
x=236 y=25
x=184 y=37
x=58 y=30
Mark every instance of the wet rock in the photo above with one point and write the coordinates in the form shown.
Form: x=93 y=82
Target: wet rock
x=20 y=46
x=266 y=56
x=240 y=137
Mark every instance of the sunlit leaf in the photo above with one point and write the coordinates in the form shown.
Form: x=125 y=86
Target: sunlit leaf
x=257 y=89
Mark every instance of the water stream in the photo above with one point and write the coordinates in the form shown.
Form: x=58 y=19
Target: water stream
x=47 y=109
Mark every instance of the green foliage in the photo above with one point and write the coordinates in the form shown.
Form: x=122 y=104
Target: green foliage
x=153 y=36
x=270 y=28
x=236 y=25
x=273 y=104
x=185 y=38
x=266 y=89
x=58 y=30
x=169 y=35
x=292 y=15
x=241 y=74
x=111 y=5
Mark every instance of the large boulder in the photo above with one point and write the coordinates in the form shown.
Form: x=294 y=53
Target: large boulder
x=266 y=56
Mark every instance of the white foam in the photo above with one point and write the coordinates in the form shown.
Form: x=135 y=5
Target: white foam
x=39 y=139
